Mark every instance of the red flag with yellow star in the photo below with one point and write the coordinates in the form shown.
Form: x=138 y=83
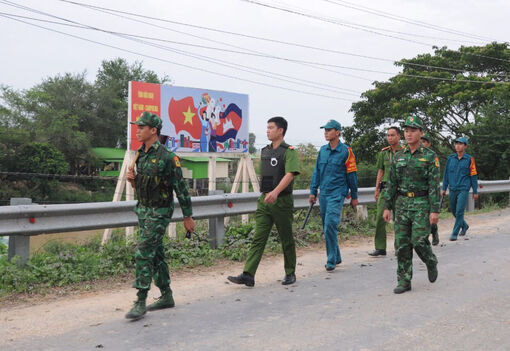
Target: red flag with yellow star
x=183 y=115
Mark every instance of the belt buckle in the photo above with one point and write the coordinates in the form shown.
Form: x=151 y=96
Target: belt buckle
x=410 y=194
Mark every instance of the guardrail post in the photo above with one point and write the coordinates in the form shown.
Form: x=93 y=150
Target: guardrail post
x=19 y=245
x=470 y=206
x=216 y=226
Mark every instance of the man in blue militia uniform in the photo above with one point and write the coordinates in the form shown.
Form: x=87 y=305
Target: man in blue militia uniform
x=335 y=174
x=460 y=175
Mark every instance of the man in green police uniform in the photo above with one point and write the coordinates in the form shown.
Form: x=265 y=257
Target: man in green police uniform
x=384 y=159
x=425 y=140
x=413 y=192
x=279 y=166
x=158 y=175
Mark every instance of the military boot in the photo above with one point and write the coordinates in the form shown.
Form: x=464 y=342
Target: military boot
x=402 y=288
x=166 y=300
x=432 y=271
x=138 y=310
x=435 y=239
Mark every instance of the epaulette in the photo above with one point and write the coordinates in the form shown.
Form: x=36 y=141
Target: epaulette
x=385 y=148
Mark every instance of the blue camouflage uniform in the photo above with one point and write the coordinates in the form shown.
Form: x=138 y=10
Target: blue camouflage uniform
x=460 y=175
x=335 y=174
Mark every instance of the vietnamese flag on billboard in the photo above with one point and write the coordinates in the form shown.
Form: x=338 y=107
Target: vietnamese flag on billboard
x=143 y=97
x=184 y=115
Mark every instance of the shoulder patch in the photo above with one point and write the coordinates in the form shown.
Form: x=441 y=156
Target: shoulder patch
x=436 y=162
x=385 y=148
x=177 y=162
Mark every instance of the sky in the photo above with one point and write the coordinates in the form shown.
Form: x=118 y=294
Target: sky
x=358 y=44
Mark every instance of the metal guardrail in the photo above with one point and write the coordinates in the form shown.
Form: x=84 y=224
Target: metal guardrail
x=33 y=219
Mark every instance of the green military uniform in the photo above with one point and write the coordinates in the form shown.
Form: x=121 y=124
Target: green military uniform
x=413 y=193
x=433 y=227
x=384 y=159
x=158 y=175
x=275 y=163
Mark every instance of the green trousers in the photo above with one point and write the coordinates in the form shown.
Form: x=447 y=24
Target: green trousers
x=280 y=214
x=380 y=224
x=412 y=229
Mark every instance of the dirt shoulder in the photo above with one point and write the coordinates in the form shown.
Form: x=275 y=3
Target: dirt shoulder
x=62 y=310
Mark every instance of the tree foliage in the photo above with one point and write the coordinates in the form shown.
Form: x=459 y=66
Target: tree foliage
x=449 y=90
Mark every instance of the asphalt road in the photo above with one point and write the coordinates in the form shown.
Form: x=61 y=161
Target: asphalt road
x=353 y=308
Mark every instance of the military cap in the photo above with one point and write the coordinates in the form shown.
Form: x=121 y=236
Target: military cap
x=413 y=122
x=332 y=124
x=148 y=119
x=462 y=140
x=426 y=137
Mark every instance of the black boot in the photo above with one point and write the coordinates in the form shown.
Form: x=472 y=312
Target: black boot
x=377 y=252
x=289 y=279
x=243 y=278
x=402 y=288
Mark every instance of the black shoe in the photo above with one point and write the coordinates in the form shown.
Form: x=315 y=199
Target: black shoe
x=329 y=268
x=402 y=289
x=453 y=238
x=289 y=279
x=243 y=278
x=338 y=262
x=435 y=239
x=377 y=252
x=463 y=231
x=432 y=273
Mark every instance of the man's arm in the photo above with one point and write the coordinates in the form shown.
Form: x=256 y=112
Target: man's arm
x=380 y=175
x=352 y=177
x=316 y=177
x=181 y=190
x=473 y=175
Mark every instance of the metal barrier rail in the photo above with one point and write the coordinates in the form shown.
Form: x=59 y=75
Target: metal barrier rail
x=27 y=220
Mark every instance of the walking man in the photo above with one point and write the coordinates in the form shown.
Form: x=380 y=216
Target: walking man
x=425 y=140
x=279 y=166
x=413 y=192
x=335 y=174
x=384 y=159
x=158 y=174
x=460 y=175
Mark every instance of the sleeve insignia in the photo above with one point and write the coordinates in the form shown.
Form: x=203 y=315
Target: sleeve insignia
x=436 y=162
x=177 y=161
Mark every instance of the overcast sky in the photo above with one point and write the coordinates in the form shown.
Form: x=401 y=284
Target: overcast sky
x=30 y=54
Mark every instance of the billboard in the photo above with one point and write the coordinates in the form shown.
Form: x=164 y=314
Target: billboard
x=195 y=120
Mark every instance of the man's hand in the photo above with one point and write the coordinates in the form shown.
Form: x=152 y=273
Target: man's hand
x=376 y=194
x=189 y=224
x=354 y=203
x=443 y=192
x=434 y=218
x=312 y=199
x=271 y=197
x=131 y=175
x=475 y=196
x=386 y=215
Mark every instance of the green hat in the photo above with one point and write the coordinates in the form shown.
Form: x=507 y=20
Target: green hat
x=426 y=137
x=413 y=122
x=462 y=140
x=332 y=124
x=148 y=119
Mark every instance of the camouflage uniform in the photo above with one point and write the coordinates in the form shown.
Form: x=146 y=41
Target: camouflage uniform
x=413 y=192
x=158 y=175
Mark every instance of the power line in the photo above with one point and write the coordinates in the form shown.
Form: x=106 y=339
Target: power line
x=117 y=12
x=250 y=69
x=176 y=63
x=405 y=19
x=340 y=23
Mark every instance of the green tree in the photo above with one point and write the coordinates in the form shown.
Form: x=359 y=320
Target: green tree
x=447 y=90
x=307 y=157
x=251 y=143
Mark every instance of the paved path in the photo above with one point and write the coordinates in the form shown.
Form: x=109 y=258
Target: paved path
x=353 y=308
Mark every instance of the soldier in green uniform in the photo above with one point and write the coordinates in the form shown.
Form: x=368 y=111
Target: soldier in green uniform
x=425 y=140
x=413 y=192
x=279 y=166
x=384 y=159
x=158 y=175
